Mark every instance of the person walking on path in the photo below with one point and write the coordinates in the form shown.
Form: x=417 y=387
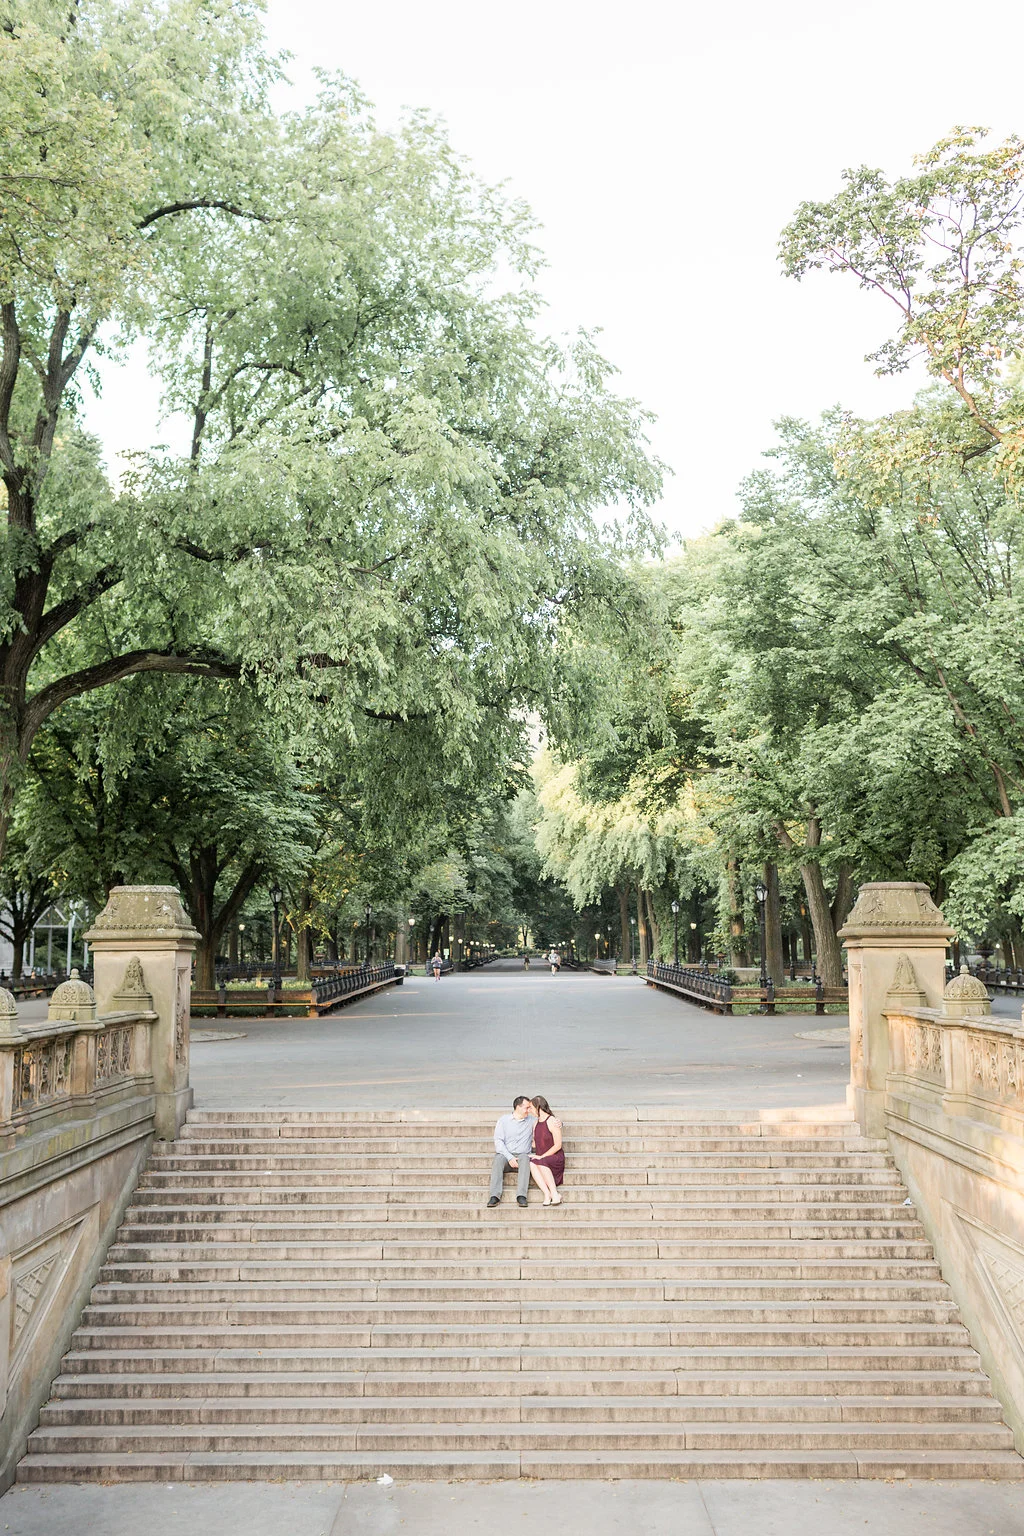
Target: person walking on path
x=513 y=1138
x=547 y=1165
x=435 y=965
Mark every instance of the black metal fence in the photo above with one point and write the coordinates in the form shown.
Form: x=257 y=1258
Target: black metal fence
x=702 y=985
x=330 y=989
x=997 y=978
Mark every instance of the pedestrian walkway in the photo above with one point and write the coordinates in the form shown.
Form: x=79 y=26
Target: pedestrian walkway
x=698 y=1508
x=477 y=1038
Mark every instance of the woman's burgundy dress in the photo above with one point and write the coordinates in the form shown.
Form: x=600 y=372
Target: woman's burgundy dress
x=542 y=1141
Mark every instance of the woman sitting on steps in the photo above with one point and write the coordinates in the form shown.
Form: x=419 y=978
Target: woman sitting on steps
x=547 y=1165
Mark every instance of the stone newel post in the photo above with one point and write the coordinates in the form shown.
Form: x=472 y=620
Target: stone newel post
x=147 y=924
x=895 y=941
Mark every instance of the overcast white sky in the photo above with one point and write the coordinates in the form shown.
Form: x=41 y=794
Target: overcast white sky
x=663 y=147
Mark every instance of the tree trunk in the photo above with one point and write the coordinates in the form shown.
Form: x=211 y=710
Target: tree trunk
x=233 y=944
x=459 y=940
x=805 y=935
x=842 y=901
x=304 y=935
x=653 y=925
x=738 y=952
x=625 y=941
x=829 y=950
x=773 y=926
x=642 y=930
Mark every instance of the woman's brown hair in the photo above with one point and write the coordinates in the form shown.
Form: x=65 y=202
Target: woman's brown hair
x=540 y=1102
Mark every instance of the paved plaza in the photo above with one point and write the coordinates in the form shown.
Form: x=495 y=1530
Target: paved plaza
x=475 y=1039
x=783 y=1508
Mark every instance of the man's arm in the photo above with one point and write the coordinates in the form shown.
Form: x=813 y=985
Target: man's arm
x=500 y=1143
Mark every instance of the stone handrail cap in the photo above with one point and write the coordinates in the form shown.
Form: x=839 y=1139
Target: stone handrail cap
x=966 y=995
x=143 y=912
x=73 y=1000
x=897 y=909
x=9 y=1029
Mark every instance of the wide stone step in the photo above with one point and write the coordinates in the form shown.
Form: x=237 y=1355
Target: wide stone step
x=694 y=1178
x=462 y=1294
x=753 y=1336
x=621 y=1436
x=198 y=1193
x=96 y=1357
x=497 y=1409
x=325 y=1161
x=296 y=1233
x=252 y=1262
x=459 y=1293
x=448 y=1313
x=490 y=1466
x=845 y=1386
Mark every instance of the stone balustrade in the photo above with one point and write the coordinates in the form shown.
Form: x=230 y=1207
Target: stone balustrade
x=55 y=1072
x=83 y=1094
x=942 y=1080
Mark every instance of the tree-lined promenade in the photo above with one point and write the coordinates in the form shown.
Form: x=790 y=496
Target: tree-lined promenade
x=311 y=640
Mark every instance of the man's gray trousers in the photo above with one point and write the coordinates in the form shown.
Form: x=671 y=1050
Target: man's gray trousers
x=501 y=1166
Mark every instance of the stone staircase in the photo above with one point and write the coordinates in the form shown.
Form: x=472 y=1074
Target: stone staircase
x=324 y=1295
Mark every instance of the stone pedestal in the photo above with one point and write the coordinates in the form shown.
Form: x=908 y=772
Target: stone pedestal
x=895 y=941
x=142 y=944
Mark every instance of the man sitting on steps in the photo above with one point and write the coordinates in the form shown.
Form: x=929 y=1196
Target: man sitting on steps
x=513 y=1138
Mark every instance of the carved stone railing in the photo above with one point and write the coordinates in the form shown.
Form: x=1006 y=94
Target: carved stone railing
x=82 y=1096
x=942 y=1080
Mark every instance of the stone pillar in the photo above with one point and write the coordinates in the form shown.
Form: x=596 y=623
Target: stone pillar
x=894 y=926
x=147 y=925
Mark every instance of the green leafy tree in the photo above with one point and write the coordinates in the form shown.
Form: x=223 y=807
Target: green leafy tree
x=386 y=506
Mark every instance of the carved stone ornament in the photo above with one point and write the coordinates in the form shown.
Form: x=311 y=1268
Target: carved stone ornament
x=966 y=997
x=905 y=988
x=74 y=1000
x=133 y=994
x=143 y=912
x=9 y=1017
x=895 y=909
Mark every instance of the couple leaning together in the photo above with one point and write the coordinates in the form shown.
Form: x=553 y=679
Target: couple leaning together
x=529 y=1142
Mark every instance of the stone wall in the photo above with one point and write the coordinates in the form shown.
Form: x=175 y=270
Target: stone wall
x=943 y=1081
x=82 y=1096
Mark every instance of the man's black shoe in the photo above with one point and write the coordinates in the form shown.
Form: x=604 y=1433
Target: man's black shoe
x=493 y=1200
x=521 y=1199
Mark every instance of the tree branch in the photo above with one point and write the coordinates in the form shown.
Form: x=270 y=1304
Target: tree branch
x=170 y=209
x=43 y=704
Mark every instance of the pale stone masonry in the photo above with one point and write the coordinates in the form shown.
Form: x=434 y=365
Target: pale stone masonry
x=943 y=1081
x=82 y=1095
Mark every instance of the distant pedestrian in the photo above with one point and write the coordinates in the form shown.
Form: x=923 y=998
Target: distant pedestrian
x=435 y=965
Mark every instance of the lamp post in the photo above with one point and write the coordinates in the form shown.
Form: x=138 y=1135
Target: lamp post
x=241 y=943
x=275 y=896
x=410 y=956
x=597 y=946
x=632 y=944
x=675 y=933
x=761 y=892
x=693 y=930
x=369 y=911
